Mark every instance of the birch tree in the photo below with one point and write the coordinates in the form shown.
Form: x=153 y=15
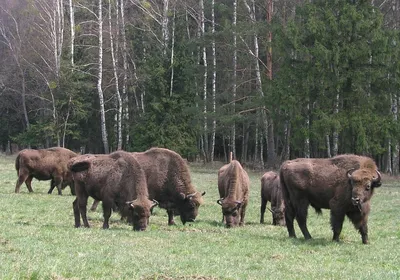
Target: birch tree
x=114 y=58
x=234 y=84
x=103 y=126
x=214 y=80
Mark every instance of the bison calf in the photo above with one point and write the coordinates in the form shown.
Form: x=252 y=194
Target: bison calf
x=344 y=184
x=271 y=191
x=233 y=187
x=115 y=179
x=44 y=164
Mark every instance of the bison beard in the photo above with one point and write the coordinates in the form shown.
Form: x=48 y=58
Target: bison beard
x=115 y=179
x=44 y=164
x=344 y=184
x=233 y=187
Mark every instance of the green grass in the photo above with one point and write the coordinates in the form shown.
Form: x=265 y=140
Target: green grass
x=38 y=240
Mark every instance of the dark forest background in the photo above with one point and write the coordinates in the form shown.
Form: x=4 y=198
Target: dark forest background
x=266 y=80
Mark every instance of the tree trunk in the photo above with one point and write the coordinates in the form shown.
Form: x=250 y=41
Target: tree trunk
x=171 y=88
x=103 y=126
x=234 y=85
x=205 y=76
x=214 y=81
x=125 y=74
x=114 y=58
x=72 y=23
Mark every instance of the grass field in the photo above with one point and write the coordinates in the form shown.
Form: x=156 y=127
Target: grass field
x=38 y=240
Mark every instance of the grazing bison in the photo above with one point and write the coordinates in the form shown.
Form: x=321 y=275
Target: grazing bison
x=115 y=179
x=271 y=191
x=233 y=187
x=344 y=184
x=44 y=164
x=169 y=183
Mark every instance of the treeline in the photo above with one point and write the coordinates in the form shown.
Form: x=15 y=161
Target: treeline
x=266 y=80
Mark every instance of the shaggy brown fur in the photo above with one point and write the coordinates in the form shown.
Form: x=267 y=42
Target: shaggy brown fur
x=271 y=191
x=115 y=179
x=233 y=187
x=44 y=164
x=169 y=182
x=343 y=184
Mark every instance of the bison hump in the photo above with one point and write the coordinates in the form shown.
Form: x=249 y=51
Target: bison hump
x=80 y=166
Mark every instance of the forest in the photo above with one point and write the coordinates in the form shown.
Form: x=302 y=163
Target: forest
x=266 y=80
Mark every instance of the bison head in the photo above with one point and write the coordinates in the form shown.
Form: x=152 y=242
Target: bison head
x=188 y=207
x=141 y=210
x=363 y=182
x=230 y=210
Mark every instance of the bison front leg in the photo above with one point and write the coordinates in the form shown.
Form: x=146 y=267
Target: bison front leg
x=262 y=210
x=77 y=214
x=242 y=215
x=56 y=182
x=170 y=213
x=360 y=222
x=52 y=186
x=106 y=214
x=337 y=219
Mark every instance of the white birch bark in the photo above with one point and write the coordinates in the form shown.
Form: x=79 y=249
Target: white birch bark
x=395 y=144
x=104 y=135
x=164 y=25
x=205 y=76
x=234 y=85
x=307 y=126
x=172 y=56
x=335 y=136
x=126 y=116
x=114 y=58
x=72 y=23
x=214 y=80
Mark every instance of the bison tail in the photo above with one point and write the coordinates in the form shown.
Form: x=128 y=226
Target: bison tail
x=80 y=166
x=17 y=163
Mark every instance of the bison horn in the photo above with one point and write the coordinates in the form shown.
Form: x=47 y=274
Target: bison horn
x=203 y=193
x=377 y=181
x=155 y=202
x=349 y=172
x=191 y=195
x=219 y=201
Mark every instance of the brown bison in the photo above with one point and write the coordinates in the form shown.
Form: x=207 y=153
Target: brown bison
x=44 y=164
x=271 y=191
x=169 y=183
x=233 y=187
x=115 y=179
x=344 y=184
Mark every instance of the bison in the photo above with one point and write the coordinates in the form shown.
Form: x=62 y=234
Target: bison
x=169 y=183
x=271 y=191
x=115 y=179
x=44 y=164
x=344 y=184
x=233 y=187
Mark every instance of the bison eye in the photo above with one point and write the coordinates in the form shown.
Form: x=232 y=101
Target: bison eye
x=368 y=186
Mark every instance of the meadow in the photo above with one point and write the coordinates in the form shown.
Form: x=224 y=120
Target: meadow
x=38 y=240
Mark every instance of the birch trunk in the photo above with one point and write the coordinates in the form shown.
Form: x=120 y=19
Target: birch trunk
x=233 y=137
x=307 y=138
x=395 y=144
x=164 y=25
x=72 y=23
x=114 y=59
x=214 y=81
x=204 y=54
x=171 y=88
x=125 y=74
x=99 y=81
x=335 y=136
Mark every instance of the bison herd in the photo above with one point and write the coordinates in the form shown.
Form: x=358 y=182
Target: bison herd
x=134 y=183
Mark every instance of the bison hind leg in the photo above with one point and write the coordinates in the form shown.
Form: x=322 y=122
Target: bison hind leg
x=262 y=210
x=301 y=217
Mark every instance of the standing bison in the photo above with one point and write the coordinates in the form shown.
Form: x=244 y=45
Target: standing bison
x=271 y=191
x=169 y=182
x=44 y=164
x=233 y=187
x=344 y=184
x=115 y=179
